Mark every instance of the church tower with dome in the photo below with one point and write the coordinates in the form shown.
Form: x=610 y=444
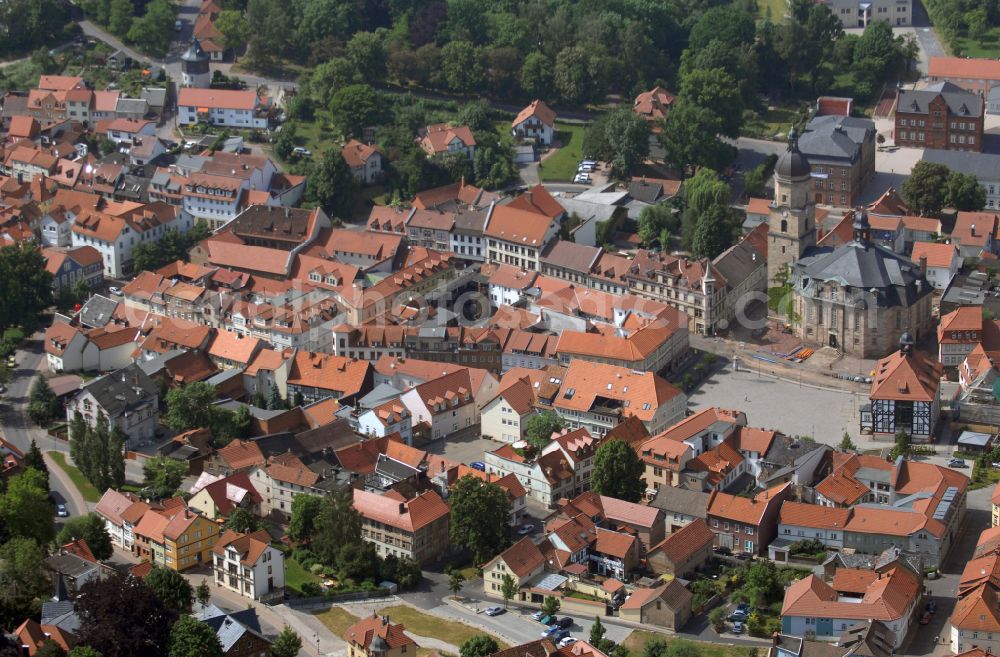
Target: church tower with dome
x=792 y=220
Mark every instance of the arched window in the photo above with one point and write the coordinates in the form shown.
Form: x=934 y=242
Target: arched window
x=784 y=225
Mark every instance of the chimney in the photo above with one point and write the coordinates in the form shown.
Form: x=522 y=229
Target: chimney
x=972 y=230
x=923 y=265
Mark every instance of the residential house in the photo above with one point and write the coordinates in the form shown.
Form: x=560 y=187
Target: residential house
x=940 y=261
x=518 y=236
x=391 y=417
x=30 y=636
x=445 y=404
x=654 y=105
x=365 y=161
x=131 y=131
x=598 y=397
x=249 y=565
x=667 y=605
x=744 y=524
x=522 y=561
x=222 y=107
x=71 y=266
x=503 y=418
x=237 y=456
x=239 y=632
x=175 y=537
x=681 y=507
x=317 y=376
x=126 y=398
x=904 y=396
x=536 y=122
x=682 y=552
x=415 y=528
x=940 y=116
x=377 y=636
x=443 y=139
x=121 y=513
x=216 y=497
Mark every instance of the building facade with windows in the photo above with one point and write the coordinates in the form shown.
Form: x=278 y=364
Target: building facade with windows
x=247 y=564
x=943 y=115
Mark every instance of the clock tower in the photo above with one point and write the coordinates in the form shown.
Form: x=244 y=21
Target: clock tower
x=792 y=221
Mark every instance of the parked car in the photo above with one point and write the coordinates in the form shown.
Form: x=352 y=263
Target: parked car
x=478 y=465
x=559 y=635
x=741 y=613
x=581 y=178
x=178 y=25
x=538 y=615
x=115 y=290
x=301 y=152
x=61 y=511
x=931 y=606
x=525 y=529
x=956 y=463
x=547 y=620
x=738 y=627
x=565 y=622
x=493 y=611
x=567 y=641
x=585 y=167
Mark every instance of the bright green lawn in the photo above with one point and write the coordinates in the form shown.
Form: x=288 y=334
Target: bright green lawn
x=562 y=165
x=296 y=575
x=637 y=639
x=777 y=7
x=988 y=47
x=86 y=488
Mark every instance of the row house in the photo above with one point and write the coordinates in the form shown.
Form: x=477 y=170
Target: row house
x=175 y=537
x=746 y=525
x=589 y=266
x=560 y=471
x=71 y=266
x=445 y=405
x=317 y=376
x=71 y=348
x=121 y=512
x=517 y=237
x=116 y=235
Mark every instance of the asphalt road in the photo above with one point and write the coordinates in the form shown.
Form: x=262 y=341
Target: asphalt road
x=19 y=430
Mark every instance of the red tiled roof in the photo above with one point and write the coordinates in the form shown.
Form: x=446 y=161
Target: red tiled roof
x=408 y=516
x=906 y=377
x=964 y=68
x=686 y=541
x=522 y=558
x=537 y=109
x=366 y=629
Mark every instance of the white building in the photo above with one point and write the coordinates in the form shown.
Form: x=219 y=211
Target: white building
x=126 y=398
x=386 y=419
x=121 y=513
x=536 y=122
x=445 y=403
x=858 y=13
x=249 y=565
x=941 y=261
x=128 y=130
x=984 y=166
x=504 y=416
x=221 y=107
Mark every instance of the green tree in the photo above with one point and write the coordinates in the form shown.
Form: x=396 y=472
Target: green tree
x=550 y=605
x=25 y=285
x=163 y=475
x=34 y=459
x=964 y=193
x=173 y=590
x=354 y=108
x=189 y=637
x=621 y=138
x=480 y=645
x=202 y=593
x=331 y=185
x=305 y=511
x=762 y=585
x=729 y=25
x=241 y=520
x=286 y=644
x=408 y=573
x=25 y=509
x=460 y=66
x=480 y=513
x=539 y=427
x=366 y=52
x=597 y=632
x=120 y=18
x=337 y=524
x=24 y=579
x=713 y=232
x=329 y=76
x=653 y=220
x=716 y=91
x=93 y=530
x=690 y=137
x=924 y=191
x=154 y=31
x=284 y=143
x=571 y=74
x=84 y=651
x=901 y=446
x=50 y=649
x=618 y=472
x=242 y=422
x=456 y=580
x=43 y=405
x=536 y=75
x=508 y=589
x=270 y=32
x=846 y=444
x=190 y=406
x=754 y=181
x=717 y=617
x=274 y=400
x=234 y=28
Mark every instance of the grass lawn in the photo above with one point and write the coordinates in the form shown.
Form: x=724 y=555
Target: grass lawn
x=296 y=575
x=777 y=7
x=336 y=619
x=432 y=627
x=635 y=642
x=771 y=122
x=988 y=47
x=562 y=164
x=86 y=488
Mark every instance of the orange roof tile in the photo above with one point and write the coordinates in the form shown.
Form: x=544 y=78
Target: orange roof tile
x=964 y=68
x=408 y=516
x=366 y=629
x=938 y=255
x=748 y=511
x=537 y=109
x=798 y=514
x=522 y=558
x=537 y=200
x=241 y=454
x=906 y=377
x=686 y=541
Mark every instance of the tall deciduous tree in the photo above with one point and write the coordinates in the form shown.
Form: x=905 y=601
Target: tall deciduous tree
x=924 y=191
x=690 y=137
x=480 y=645
x=34 y=459
x=25 y=509
x=171 y=588
x=25 y=285
x=190 y=406
x=539 y=427
x=964 y=193
x=337 y=524
x=713 y=232
x=354 y=108
x=716 y=91
x=618 y=472
x=620 y=138
x=241 y=520
x=43 y=405
x=163 y=475
x=286 y=644
x=305 y=512
x=331 y=185
x=24 y=579
x=154 y=31
x=480 y=513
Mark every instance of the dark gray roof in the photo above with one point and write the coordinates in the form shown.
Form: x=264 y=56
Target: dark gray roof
x=863 y=267
x=159 y=362
x=122 y=390
x=792 y=163
x=737 y=262
x=380 y=394
x=644 y=191
x=96 y=313
x=984 y=166
x=155 y=96
x=132 y=106
x=672 y=500
x=194 y=52
x=836 y=138
x=572 y=256
x=470 y=221
x=393 y=469
x=14 y=104
x=225 y=375
x=231 y=626
x=70 y=565
x=868 y=639
x=960 y=102
x=60 y=613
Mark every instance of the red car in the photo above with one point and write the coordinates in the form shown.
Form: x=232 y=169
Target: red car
x=925 y=617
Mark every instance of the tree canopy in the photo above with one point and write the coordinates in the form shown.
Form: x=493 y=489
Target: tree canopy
x=90 y=528
x=480 y=513
x=163 y=475
x=121 y=616
x=618 y=472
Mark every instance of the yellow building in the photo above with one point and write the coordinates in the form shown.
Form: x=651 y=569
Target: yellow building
x=523 y=562
x=376 y=636
x=175 y=537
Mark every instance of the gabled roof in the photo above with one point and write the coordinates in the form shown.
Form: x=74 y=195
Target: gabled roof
x=673 y=593
x=537 y=200
x=409 y=516
x=938 y=255
x=886 y=598
x=537 y=109
x=906 y=377
x=522 y=558
x=522 y=227
x=679 y=546
x=241 y=454
x=799 y=514
x=978 y=611
x=964 y=68
x=749 y=511
x=250 y=547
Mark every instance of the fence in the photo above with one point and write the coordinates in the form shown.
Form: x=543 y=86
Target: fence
x=326 y=601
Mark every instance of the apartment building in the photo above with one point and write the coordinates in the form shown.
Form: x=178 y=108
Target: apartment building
x=416 y=528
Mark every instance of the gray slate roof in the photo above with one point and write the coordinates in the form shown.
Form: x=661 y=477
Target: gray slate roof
x=984 y=166
x=896 y=280
x=737 y=263
x=380 y=394
x=673 y=500
x=96 y=313
x=835 y=138
x=960 y=102
x=122 y=390
x=231 y=626
x=132 y=106
x=60 y=613
x=154 y=96
x=572 y=256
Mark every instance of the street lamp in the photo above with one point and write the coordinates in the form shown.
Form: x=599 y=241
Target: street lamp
x=316 y=634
